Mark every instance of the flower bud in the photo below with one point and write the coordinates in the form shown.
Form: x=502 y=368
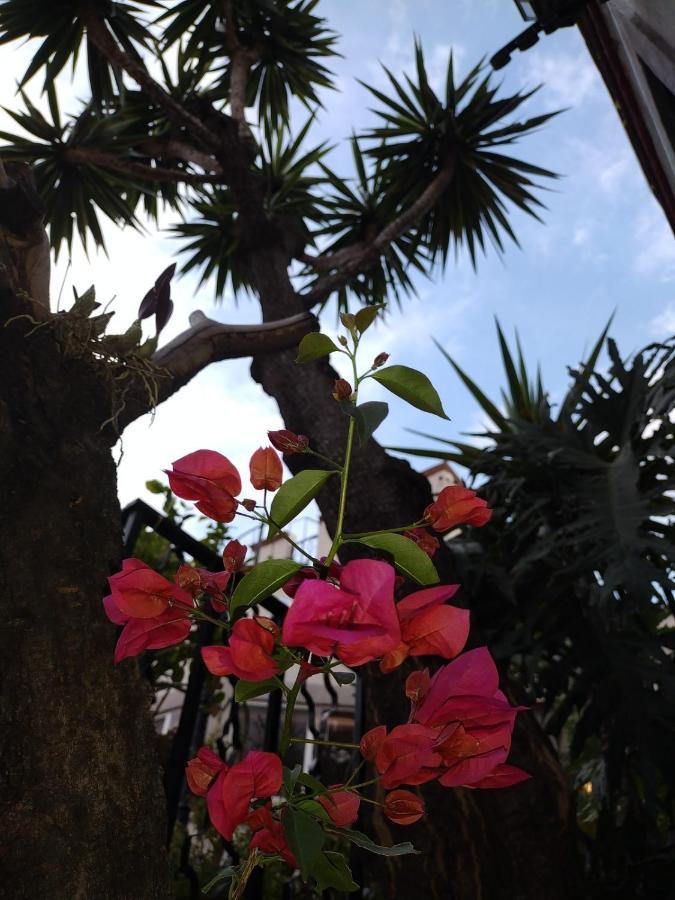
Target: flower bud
x=248 y=504
x=234 y=555
x=343 y=340
x=342 y=390
x=380 y=360
x=287 y=441
x=403 y=807
x=348 y=321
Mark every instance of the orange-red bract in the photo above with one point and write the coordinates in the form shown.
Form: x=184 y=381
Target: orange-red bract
x=201 y=771
x=356 y=622
x=210 y=479
x=428 y=626
x=341 y=806
x=266 y=469
x=234 y=555
x=457 y=505
x=142 y=593
x=403 y=807
x=249 y=655
x=259 y=775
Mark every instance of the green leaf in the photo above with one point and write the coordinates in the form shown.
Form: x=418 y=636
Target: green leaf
x=331 y=871
x=314 y=346
x=305 y=837
x=264 y=580
x=294 y=495
x=247 y=690
x=365 y=317
x=408 y=557
x=290 y=777
x=314 y=809
x=412 y=386
x=311 y=782
x=368 y=417
x=362 y=840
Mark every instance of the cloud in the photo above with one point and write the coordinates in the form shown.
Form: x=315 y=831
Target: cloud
x=656 y=248
x=568 y=79
x=663 y=324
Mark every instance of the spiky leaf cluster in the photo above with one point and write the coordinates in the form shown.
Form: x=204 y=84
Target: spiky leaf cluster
x=574 y=583
x=286 y=42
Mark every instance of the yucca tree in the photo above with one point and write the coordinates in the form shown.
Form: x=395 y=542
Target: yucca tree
x=576 y=588
x=165 y=128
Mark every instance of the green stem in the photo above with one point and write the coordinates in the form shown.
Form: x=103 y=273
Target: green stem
x=291 y=697
x=324 y=458
x=324 y=743
x=344 y=479
x=363 y=534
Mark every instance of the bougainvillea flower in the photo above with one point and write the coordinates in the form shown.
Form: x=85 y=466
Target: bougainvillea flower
x=268 y=834
x=198 y=581
x=142 y=593
x=473 y=718
x=356 y=622
x=234 y=555
x=201 y=771
x=407 y=756
x=229 y=798
x=210 y=479
x=425 y=541
x=370 y=742
x=341 y=806
x=288 y=442
x=266 y=470
x=428 y=627
x=249 y=655
x=403 y=807
x=457 y=505
x=170 y=627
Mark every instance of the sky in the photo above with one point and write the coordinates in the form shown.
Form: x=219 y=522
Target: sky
x=604 y=245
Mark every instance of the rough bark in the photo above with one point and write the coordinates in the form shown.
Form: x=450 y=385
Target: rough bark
x=498 y=845
x=83 y=813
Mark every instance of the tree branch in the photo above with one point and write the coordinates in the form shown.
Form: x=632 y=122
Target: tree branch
x=93 y=156
x=206 y=342
x=180 y=150
x=356 y=258
x=102 y=38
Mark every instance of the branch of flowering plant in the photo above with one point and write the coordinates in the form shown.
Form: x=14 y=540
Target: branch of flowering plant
x=286 y=739
x=344 y=475
x=401 y=528
x=268 y=520
x=324 y=743
x=324 y=458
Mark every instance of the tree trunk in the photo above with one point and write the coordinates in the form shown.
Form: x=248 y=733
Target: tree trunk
x=513 y=843
x=83 y=813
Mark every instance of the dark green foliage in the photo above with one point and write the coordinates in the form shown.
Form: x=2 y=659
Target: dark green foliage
x=573 y=582
x=189 y=46
x=421 y=132
x=58 y=22
x=286 y=39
